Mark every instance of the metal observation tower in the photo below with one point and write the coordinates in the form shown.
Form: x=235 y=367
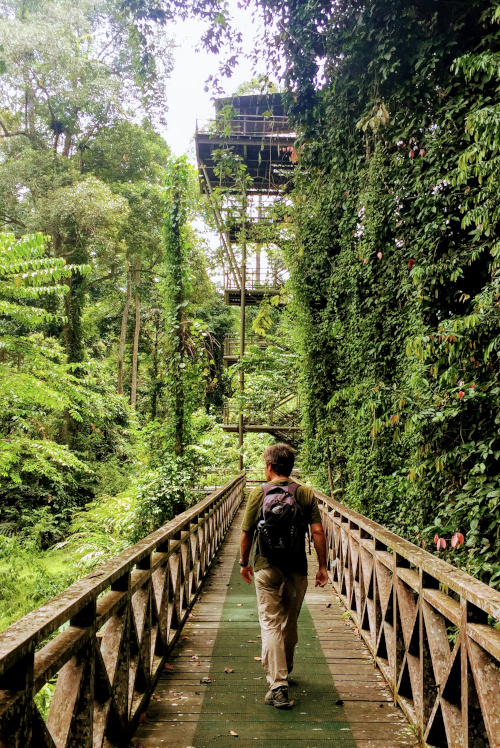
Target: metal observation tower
x=246 y=161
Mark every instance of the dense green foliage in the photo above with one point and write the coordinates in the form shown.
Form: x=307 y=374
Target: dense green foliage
x=111 y=331
x=93 y=295
x=394 y=267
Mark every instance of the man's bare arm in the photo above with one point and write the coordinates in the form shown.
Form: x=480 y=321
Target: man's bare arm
x=245 y=548
x=319 y=541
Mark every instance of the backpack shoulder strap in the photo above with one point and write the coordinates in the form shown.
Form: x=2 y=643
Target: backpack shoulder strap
x=266 y=487
x=290 y=488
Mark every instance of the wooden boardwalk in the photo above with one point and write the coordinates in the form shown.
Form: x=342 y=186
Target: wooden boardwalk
x=214 y=686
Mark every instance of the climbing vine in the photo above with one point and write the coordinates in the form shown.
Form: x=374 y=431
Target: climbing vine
x=394 y=265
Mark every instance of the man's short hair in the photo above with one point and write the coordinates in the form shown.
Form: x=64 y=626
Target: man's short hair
x=281 y=457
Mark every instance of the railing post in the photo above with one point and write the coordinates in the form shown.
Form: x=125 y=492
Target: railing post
x=17 y=709
x=71 y=716
x=464 y=675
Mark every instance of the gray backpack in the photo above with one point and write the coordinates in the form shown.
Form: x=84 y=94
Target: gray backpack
x=281 y=527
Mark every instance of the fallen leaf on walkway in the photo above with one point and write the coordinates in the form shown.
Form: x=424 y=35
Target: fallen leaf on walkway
x=251 y=641
x=330 y=629
x=207 y=680
x=233 y=733
x=168 y=666
x=156 y=697
x=184 y=638
x=229 y=670
x=191 y=615
x=240 y=605
x=142 y=718
x=258 y=659
x=195 y=657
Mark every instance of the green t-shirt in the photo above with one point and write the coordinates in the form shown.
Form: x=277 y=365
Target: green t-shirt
x=307 y=502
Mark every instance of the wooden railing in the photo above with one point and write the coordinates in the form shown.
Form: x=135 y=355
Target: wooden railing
x=115 y=629
x=430 y=627
x=285 y=414
x=232 y=343
x=247 y=126
x=257 y=281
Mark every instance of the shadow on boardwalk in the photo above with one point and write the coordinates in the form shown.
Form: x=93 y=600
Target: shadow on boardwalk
x=340 y=698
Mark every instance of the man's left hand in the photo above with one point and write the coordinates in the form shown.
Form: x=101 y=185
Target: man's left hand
x=321 y=577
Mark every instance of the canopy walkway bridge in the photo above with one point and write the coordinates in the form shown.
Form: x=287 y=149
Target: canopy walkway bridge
x=160 y=647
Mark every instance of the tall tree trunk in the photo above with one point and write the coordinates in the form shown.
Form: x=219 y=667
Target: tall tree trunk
x=156 y=367
x=123 y=333
x=137 y=329
x=178 y=347
x=73 y=302
x=67 y=144
x=29 y=110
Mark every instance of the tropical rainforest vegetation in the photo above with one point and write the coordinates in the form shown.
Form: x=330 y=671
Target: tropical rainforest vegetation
x=111 y=327
x=394 y=263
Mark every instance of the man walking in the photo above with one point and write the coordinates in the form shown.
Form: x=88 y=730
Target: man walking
x=277 y=515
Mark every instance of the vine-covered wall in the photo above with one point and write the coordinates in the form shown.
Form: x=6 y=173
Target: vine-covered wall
x=394 y=268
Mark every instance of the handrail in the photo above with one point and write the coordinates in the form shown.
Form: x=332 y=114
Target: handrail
x=274 y=416
x=428 y=625
x=122 y=621
x=232 y=343
x=257 y=281
x=246 y=125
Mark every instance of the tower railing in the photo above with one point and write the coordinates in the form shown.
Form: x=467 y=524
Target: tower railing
x=257 y=281
x=286 y=413
x=232 y=343
x=246 y=126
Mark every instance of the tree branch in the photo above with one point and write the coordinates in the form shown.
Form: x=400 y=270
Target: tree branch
x=13 y=221
x=6 y=134
x=104 y=277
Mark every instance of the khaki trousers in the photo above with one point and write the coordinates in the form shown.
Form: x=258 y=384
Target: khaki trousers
x=279 y=600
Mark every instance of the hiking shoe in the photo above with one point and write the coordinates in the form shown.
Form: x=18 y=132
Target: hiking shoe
x=278 y=698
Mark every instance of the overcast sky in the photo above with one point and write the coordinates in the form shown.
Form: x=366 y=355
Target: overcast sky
x=187 y=101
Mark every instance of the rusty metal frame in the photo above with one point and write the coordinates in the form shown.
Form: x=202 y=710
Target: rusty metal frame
x=430 y=627
x=114 y=630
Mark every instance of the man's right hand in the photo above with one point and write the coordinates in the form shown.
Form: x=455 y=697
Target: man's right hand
x=321 y=577
x=247 y=573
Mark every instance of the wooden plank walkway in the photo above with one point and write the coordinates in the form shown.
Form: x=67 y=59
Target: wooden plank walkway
x=339 y=696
